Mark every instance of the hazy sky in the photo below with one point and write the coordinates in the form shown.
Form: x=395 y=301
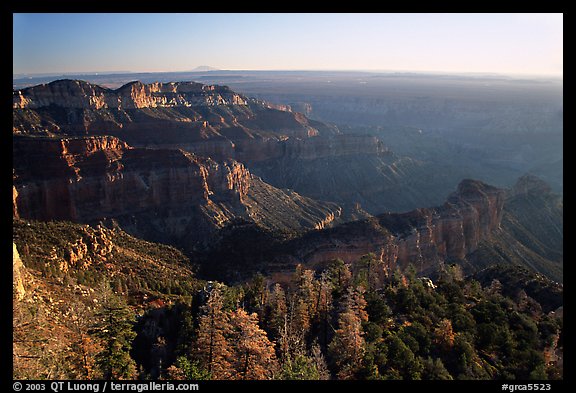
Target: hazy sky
x=500 y=43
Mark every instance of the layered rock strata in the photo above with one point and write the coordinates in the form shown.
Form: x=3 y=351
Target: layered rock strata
x=424 y=238
x=207 y=120
x=80 y=94
x=171 y=192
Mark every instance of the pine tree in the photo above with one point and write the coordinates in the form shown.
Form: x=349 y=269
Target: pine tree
x=348 y=345
x=324 y=309
x=301 y=368
x=402 y=359
x=276 y=310
x=211 y=345
x=340 y=275
x=320 y=362
x=434 y=370
x=306 y=304
x=302 y=309
x=276 y=319
x=291 y=340
x=256 y=294
x=254 y=356
x=114 y=326
x=370 y=272
x=184 y=369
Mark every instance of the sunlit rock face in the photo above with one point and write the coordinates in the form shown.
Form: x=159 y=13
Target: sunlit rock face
x=80 y=94
x=18 y=289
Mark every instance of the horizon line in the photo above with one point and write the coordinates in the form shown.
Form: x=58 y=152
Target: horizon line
x=216 y=70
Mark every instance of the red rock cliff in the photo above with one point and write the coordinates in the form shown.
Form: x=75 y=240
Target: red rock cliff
x=80 y=179
x=168 y=195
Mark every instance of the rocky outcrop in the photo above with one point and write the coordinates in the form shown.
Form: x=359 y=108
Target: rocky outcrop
x=530 y=184
x=281 y=211
x=425 y=238
x=79 y=94
x=14 y=204
x=206 y=120
x=83 y=179
x=17 y=272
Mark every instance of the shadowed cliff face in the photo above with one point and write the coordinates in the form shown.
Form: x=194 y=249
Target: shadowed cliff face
x=425 y=238
x=531 y=233
x=159 y=193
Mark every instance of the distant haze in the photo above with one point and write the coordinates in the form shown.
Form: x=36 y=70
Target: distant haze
x=528 y=44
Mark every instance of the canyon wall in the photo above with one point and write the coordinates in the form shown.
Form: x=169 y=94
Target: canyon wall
x=424 y=238
x=80 y=94
x=160 y=194
x=81 y=179
x=207 y=120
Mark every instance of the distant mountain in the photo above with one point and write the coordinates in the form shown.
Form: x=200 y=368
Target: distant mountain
x=203 y=68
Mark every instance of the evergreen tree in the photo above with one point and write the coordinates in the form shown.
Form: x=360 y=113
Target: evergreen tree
x=341 y=277
x=301 y=313
x=348 y=345
x=211 y=345
x=256 y=294
x=184 y=369
x=301 y=368
x=276 y=310
x=324 y=309
x=320 y=362
x=444 y=335
x=434 y=370
x=307 y=304
x=402 y=359
x=114 y=327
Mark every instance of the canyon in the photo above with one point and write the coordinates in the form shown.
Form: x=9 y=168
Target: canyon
x=286 y=149
x=241 y=185
x=181 y=198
